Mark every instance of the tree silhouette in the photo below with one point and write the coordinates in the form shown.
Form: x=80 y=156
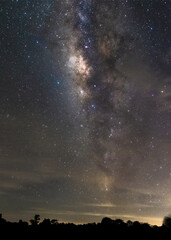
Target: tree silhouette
x=167 y=221
x=22 y=223
x=36 y=220
x=2 y=220
x=108 y=226
x=54 y=221
x=119 y=222
x=46 y=222
x=129 y=223
x=106 y=221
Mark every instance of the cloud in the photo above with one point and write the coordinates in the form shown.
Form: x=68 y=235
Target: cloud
x=102 y=205
x=74 y=215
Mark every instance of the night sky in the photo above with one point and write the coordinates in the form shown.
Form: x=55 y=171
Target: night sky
x=85 y=90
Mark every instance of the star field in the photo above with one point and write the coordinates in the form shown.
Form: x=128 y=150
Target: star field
x=85 y=109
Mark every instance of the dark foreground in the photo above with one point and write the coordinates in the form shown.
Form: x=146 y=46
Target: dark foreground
x=107 y=229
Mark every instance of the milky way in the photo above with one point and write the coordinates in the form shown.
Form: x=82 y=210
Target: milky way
x=85 y=116
x=119 y=113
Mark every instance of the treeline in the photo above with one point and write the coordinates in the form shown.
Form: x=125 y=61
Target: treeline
x=107 y=227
